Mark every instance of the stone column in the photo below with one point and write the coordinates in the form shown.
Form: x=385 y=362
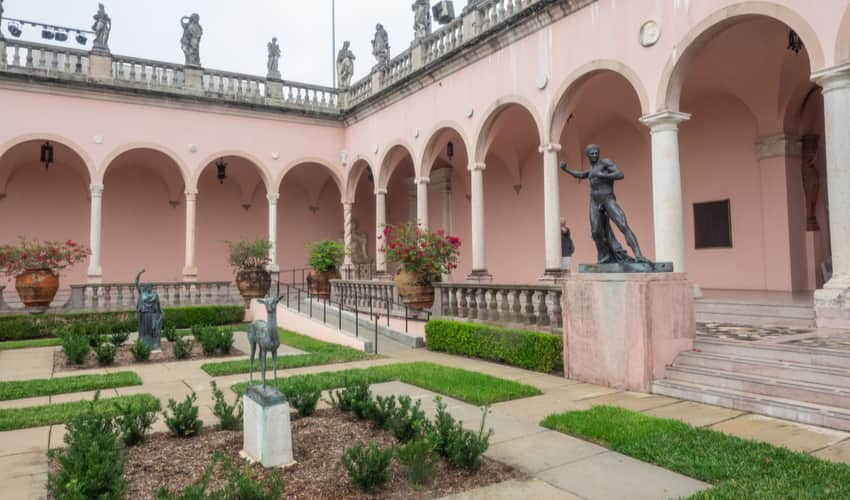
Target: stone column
x=380 y=221
x=832 y=303
x=95 y=273
x=273 y=197
x=551 y=211
x=422 y=200
x=479 y=261
x=667 y=187
x=346 y=224
x=190 y=269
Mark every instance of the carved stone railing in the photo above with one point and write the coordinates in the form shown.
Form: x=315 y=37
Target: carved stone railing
x=147 y=73
x=47 y=60
x=359 y=91
x=536 y=307
x=236 y=86
x=442 y=41
x=399 y=67
x=363 y=294
x=117 y=296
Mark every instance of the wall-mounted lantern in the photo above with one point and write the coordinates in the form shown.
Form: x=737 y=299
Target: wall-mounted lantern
x=221 y=169
x=47 y=154
x=450 y=150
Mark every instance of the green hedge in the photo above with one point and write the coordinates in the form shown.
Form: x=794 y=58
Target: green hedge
x=26 y=326
x=536 y=351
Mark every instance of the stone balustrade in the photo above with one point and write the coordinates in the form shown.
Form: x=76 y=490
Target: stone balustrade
x=536 y=307
x=122 y=296
x=360 y=293
x=115 y=70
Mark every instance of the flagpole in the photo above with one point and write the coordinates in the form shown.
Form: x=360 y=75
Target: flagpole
x=333 y=42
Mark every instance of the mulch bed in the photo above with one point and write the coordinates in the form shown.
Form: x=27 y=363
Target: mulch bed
x=125 y=358
x=319 y=442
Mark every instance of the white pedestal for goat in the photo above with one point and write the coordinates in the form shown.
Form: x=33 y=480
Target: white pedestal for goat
x=267 y=430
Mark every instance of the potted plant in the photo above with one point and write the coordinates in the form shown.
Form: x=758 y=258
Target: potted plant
x=325 y=258
x=424 y=256
x=36 y=265
x=249 y=260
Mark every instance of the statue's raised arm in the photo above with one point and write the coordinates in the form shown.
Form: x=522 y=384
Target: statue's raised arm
x=577 y=175
x=138 y=277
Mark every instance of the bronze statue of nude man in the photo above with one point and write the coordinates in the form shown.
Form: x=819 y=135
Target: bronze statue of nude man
x=604 y=209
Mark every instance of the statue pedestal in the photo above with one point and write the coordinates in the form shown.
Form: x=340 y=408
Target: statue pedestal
x=267 y=431
x=622 y=330
x=100 y=65
x=274 y=88
x=193 y=79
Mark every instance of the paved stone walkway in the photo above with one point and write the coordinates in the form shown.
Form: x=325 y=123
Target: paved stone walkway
x=560 y=466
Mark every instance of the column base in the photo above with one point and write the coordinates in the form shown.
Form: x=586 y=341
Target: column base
x=554 y=275
x=479 y=276
x=190 y=274
x=95 y=276
x=832 y=303
x=382 y=276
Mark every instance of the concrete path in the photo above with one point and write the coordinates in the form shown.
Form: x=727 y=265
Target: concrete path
x=560 y=466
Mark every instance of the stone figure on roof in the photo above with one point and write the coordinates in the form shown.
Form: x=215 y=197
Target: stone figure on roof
x=101 y=27
x=381 y=46
x=421 y=19
x=191 y=41
x=274 y=60
x=345 y=65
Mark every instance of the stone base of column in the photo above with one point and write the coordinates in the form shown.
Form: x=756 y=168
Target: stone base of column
x=832 y=304
x=554 y=275
x=382 y=276
x=95 y=277
x=190 y=274
x=622 y=330
x=480 y=276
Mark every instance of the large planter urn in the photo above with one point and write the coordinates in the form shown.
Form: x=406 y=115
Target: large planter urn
x=414 y=295
x=320 y=283
x=253 y=283
x=37 y=287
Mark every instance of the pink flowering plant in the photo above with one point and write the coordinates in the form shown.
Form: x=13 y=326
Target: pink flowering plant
x=425 y=254
x=34 y=254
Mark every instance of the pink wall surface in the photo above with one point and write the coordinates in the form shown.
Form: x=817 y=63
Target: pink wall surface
x=725 y=58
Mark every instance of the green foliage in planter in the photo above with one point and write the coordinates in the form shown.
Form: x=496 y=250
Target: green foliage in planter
x=93 y=464
x=236 y=483
x=76 y=348
x=141 y=351
x=303 y=397
x=325 y=255
x=530 y=350
x=419 y=458
x=105 y=353
x=243 y=254
x=229 y=416
x=368 y=468
x=134 y=421
x=183 y=421
x=183 y=348
x=29 y=326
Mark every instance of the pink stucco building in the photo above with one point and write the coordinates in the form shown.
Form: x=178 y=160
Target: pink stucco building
x=696 y=101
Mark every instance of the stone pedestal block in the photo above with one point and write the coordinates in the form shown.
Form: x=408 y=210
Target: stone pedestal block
x=622 y=330
x=267 y=430
x=193 y=79
x=274 y=89
x=100 y=66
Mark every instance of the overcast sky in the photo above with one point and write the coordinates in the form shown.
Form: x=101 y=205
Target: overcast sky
x=236 y=32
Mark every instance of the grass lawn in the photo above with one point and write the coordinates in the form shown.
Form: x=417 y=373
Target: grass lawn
x=471 y=387
x=37 y=416
x=24 y=344
x=19 y=389
x=319 y=353
x=736 y=467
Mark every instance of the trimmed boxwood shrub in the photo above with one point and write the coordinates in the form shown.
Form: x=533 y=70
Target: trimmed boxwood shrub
x=536 y=351
x=24 y=326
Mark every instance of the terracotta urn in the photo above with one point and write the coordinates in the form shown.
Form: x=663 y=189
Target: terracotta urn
x=37 y=287
x=414 y=295
x=320 y=283
x=253 y=283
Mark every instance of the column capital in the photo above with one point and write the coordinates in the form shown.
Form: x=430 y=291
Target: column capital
x=834 y=78
x=96 y=189
x=347 y=205
x=778 y=146
x=477 y=166
x=664 y=120
x=549 y=148
x=381 y=191
x=422 y=180
x=273 y=197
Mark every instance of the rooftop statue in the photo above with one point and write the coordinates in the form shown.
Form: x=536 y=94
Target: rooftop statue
x=381 y=47
x=1 y=16
x=191 y=41
x=604 y=209
x=345 y=65
x=274 y=60
x=421 y=19
x=101 y=27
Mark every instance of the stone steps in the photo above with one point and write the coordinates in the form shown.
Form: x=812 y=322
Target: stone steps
x=787 y=409
x=719 y=311
x=774 y=369
x=816 y=356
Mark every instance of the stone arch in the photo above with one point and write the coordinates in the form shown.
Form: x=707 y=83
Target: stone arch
x=842 y=45
x=89 y=163
x=111 y=157
x=557 y=115
x=384 y=173
x=318 y=161
x=265 y=174
x=492 y=113
x=426 y=159
x=359 y=165
x=673 y=77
